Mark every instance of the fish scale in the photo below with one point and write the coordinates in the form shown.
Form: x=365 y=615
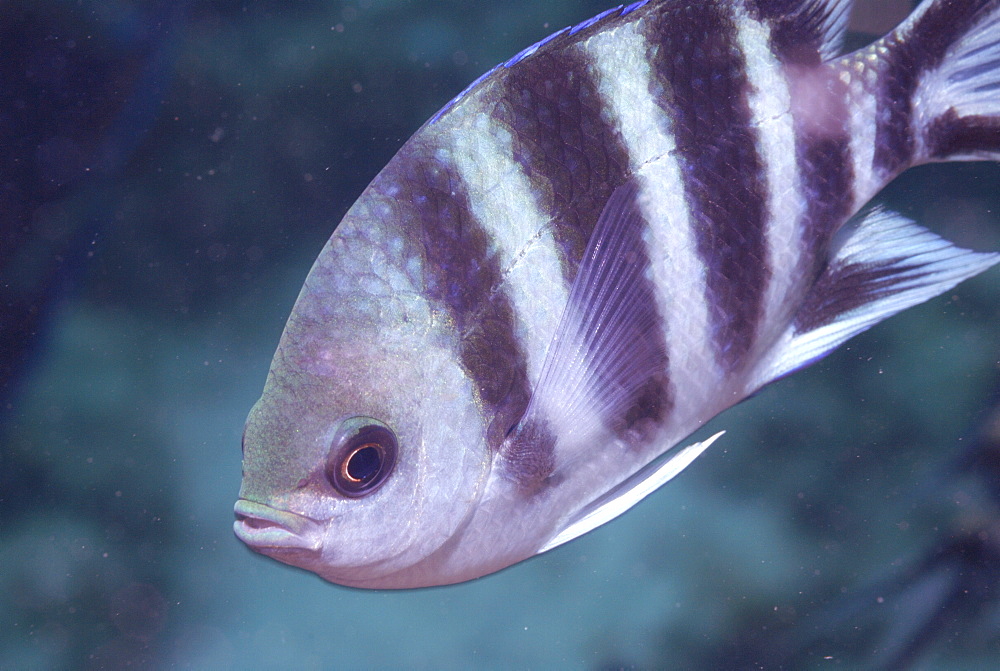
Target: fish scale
x=595 y=248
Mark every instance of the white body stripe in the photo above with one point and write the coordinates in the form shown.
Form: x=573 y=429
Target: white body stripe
x=860 y=74
x=502 y=199
x=619 y=62
x=770 y=105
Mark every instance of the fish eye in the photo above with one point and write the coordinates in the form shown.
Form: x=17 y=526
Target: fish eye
x=362 y=455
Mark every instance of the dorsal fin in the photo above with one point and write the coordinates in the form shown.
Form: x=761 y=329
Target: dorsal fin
x=801 y=28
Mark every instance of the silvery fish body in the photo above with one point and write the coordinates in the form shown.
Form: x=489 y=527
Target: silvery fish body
x=598 y=246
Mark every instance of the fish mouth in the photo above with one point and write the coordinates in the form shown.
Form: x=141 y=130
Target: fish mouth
x=272 y=531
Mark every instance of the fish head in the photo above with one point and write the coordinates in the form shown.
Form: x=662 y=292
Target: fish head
x=366 y=451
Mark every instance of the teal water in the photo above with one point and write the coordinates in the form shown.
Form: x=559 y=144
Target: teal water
x=848 y=518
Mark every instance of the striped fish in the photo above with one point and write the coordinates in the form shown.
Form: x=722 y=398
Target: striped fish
x=598 y=246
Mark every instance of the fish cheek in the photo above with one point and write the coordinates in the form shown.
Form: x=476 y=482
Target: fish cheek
x=442 y=463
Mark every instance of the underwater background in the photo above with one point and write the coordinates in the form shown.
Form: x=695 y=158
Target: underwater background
x=170 y=171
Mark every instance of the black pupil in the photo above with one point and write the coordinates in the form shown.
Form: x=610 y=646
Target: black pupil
x=364 y=463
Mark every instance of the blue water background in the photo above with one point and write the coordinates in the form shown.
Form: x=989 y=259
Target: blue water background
x=837 y=524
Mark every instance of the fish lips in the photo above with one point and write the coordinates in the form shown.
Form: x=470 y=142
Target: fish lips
x=276 y=533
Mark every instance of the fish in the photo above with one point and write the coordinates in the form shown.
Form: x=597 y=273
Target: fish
x=591 y=251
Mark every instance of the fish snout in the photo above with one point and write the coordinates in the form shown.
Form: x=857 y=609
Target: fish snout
x=273 y=531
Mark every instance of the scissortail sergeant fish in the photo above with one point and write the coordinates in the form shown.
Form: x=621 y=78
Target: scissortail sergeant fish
x=598 y=246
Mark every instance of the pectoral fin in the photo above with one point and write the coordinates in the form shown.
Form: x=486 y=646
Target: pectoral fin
x=607 y=360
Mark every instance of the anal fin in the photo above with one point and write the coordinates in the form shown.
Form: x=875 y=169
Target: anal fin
x=885 y=264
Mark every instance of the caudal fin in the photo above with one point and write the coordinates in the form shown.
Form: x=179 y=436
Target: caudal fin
x=941 y=85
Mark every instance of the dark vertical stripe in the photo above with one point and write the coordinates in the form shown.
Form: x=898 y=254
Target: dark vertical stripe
x=697 y=60
x=951 y=135
x=798 y=27
x=461 y=274
x=822 y=144
x=826 y=170
x=920 y=50
x=570 y=153
x=846 y=287
x=822 y=116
